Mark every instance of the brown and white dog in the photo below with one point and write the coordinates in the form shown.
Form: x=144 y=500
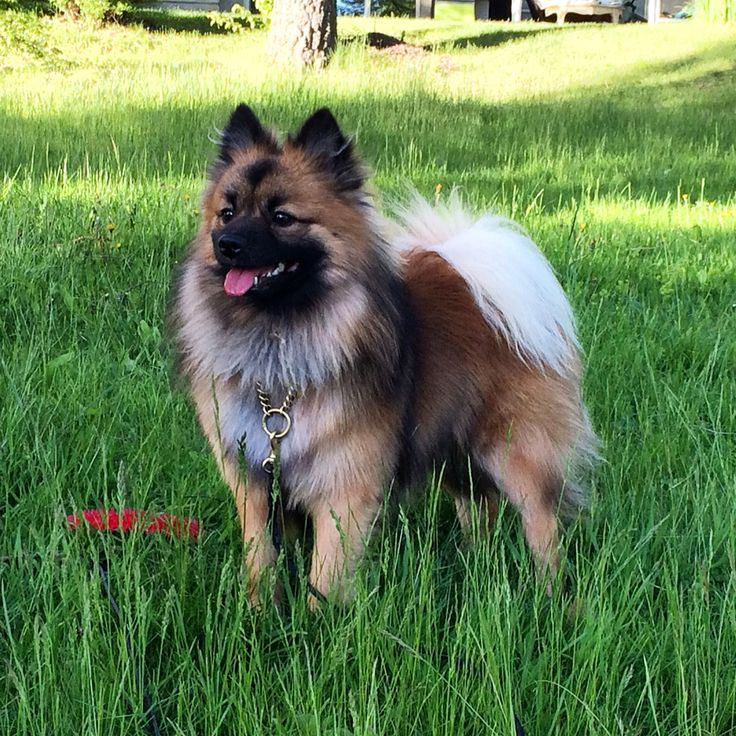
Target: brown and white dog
x=442 y=342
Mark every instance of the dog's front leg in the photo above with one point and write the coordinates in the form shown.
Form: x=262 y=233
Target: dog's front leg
x=342 y=527
x=251 y=500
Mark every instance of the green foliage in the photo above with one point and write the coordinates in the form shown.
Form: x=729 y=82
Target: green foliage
x=395 y=8
x=718 y=11
x=33 y=6
x=91 y=11
x=21 y=31
x=265 y=8
x=381 y=8
x=239 y=20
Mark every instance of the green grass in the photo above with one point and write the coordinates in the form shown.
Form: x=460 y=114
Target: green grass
x=454 y=11
x=718 y=11
x=615 y=148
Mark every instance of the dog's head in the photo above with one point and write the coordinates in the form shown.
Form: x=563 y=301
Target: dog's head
x=283 y=223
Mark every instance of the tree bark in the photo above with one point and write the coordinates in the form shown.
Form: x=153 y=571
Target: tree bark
x=303 y=32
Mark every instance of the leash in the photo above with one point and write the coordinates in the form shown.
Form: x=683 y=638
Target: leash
x=271 y=466
x=123 y=521
x=149 y=717
x=276 y=424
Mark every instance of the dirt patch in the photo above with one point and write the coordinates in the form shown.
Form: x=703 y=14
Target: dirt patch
x=387 y=45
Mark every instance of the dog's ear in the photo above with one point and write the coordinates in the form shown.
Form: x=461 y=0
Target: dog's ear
x=320 y=136
x=243 y=131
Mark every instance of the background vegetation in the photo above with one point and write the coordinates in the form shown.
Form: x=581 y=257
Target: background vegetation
x=719 y=11
x=614 y=147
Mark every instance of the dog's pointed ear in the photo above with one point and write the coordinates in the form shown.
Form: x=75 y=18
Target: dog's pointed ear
x=321 y=137
x=243 y=131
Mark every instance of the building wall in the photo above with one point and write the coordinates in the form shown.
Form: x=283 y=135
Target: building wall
x=201 y=4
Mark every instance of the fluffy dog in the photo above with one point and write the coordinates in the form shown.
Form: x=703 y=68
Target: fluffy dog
x=440 y=343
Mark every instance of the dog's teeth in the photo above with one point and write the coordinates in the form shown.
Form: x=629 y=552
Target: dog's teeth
x=279 y=269
x=256 y=280
x=293 y=267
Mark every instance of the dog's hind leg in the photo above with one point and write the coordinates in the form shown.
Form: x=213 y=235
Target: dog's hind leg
x=467 y=510
x=528 y=474
x=473 y=492
x=475 y=507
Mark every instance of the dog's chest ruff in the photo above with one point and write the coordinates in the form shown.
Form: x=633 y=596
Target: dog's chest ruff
x=275 y=351
x=314 y=425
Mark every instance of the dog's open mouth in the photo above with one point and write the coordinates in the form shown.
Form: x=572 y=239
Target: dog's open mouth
x=239 y=281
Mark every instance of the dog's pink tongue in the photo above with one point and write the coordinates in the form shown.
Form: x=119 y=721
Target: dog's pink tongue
x=239 y=280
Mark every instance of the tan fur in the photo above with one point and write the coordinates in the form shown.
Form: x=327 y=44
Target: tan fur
x=304 y=188
x=522 y=426
x=337 y=449
x=529 y=420
x=341 y=529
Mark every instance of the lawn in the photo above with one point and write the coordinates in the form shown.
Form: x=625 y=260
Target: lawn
x=615 y=148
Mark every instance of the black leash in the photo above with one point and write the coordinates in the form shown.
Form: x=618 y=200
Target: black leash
x=271 y=467
x=149 y=718
x=275 y=517
x=518 y=727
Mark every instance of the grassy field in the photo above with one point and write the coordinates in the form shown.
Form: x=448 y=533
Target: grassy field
x=454 y=11
x=615 y=148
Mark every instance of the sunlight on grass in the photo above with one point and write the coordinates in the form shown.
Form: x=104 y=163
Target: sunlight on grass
x=614 y=147
x=454 y=12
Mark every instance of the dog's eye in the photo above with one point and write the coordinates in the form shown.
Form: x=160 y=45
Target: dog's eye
x=282 y=219
x=226 y=214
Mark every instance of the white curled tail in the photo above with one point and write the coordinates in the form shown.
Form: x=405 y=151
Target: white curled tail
x=511 y=281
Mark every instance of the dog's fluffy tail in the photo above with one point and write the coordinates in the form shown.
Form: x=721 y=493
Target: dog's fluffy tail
x=511 y=281
x=519 y=297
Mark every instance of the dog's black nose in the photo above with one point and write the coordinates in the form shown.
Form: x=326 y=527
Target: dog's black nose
x=230 y=245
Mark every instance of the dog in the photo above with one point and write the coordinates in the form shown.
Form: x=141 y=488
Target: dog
x=438 y=342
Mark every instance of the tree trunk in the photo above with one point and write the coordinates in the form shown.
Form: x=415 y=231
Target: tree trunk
x=303 y=32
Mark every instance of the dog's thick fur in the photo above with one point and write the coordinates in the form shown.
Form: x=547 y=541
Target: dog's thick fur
x=440 y=342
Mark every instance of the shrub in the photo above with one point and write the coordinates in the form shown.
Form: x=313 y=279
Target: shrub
x=238 y=19
x=719 y=11
x=30 y=6
x=378 y=7
x=21 y=30
x=94 y=11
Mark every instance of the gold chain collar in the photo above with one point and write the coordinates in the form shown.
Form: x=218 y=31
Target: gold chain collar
x=283 y=419
x=275 y=505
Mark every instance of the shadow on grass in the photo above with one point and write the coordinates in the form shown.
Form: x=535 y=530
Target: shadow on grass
x=162 y=21
x=485 y=40
x=557 y=144
x=497 y=38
